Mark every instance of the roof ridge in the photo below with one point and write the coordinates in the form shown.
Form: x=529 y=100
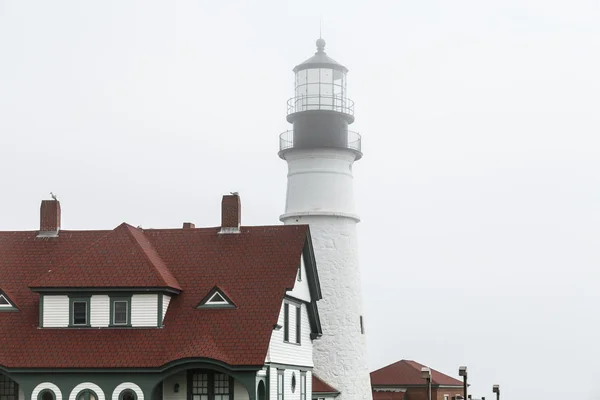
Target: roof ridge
x=62 y=265
x=130 y=231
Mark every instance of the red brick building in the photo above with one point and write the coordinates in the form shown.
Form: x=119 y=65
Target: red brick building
x=402 y=381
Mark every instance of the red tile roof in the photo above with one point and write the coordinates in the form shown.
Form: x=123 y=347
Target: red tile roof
x=388 y=395
x=102 y=264
x=256 y=267
x=319 y=386
x=408 y=372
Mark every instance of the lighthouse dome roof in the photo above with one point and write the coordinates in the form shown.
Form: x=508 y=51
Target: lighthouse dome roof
x=320 y=60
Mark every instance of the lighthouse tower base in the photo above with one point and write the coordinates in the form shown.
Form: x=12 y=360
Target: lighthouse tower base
x=340 y=355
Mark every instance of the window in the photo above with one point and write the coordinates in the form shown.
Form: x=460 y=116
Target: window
x=293 y=383
x=280 y=384
x=200 y=387
x=286 y=322
x=87 y=394
x=46 y=394
x=5 y=304
x=302 y=385
x=127 y=394
x=446 y=397
x=80 y=312
x=206 y=385
x=120 y=311
x=222 y=389
x=216 y=298
x=300 y=272
x=9 y=389
x=362 y=325
x=298 y=325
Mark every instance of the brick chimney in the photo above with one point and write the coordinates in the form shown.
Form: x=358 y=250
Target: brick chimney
x=188 y=225
x=49 y=218
x=231 y=214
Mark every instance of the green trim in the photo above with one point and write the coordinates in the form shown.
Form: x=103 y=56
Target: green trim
x=281 y=372
x=87 y=300
x=206 y=363
x=290 y=366
x=113 y=299
x=104 y=290
x=314 y=287
x=41 y=393
x=41 y=311
x=159 y=322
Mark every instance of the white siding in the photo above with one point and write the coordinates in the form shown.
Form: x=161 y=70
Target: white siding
x=308 y=385
x=166 y=301
x=301 y=290
x=291 y=353
x=169 y=384
x=87 y=385
x=99 y=311
x=43 y=386
x=128 y=385
x=287 y=385
x=239 y=391
x=56 y=311
x=273 y=383
x=144 y=310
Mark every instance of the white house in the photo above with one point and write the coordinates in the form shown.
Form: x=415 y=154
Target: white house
x=223 y=313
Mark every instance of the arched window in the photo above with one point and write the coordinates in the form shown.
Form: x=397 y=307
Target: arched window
x=46 y=394
x=127 y=394
x=9 y=390
x=87 y=394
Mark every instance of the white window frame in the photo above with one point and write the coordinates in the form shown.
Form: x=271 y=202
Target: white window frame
x=8 y=303
x=212 y=302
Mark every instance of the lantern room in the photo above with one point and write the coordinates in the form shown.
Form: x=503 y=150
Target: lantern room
x=320 y=109
x=320 y=84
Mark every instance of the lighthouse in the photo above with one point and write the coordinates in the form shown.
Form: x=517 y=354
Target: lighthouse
x=320 y=151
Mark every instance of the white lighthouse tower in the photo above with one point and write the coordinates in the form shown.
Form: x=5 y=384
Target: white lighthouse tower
x=320 y=152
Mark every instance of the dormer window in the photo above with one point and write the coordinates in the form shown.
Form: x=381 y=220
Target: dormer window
x=120 y=311
x=5 y=303
x=216 y=298
x=79 y=311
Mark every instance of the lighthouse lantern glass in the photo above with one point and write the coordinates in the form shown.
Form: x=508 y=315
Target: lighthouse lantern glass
x=320 y=89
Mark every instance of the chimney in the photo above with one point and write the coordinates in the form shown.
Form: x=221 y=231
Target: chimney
x=188 y=225
x=231 y=213
x=49 y=218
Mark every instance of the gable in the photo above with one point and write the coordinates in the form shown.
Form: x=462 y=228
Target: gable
x=301 y=290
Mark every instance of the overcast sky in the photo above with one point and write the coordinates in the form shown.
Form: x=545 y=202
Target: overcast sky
x=479 y=190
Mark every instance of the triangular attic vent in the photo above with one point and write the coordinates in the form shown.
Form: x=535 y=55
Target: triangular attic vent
x=5 y=303
x=216 y=299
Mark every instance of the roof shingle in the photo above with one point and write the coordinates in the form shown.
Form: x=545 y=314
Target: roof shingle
x=256 y=267
x=408 y=372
